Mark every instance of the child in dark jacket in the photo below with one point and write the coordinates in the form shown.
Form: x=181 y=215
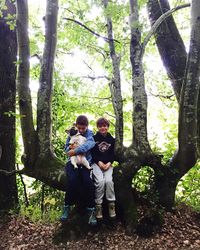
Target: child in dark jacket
x=103 y=157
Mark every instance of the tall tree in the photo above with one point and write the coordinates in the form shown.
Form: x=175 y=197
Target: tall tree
x=183 y=70
x=39 y=159
x=8 y=58
x=37 y=142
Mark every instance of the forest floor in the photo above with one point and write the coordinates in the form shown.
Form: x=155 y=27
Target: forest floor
x=181 y=230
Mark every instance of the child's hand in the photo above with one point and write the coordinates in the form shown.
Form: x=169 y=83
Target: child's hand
x=107 y=166
x=101 y=165
x=72 y=146
x=71 y=152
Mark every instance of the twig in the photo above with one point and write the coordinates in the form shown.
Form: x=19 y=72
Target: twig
x=110 y=115
x=91 y=31
x=99 y=50
x=95 y=97
x=7 y=173
x=24 y=187
x=88 y=65
x=38 y=57
x=42 y=200
x=96 y=77
x=162 y=96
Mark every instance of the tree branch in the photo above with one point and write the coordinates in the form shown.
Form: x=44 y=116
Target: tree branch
x=158 y=23
x=96 y=77
x=10 y=173
x=115 y=85
x=170 y=44
x=24 y=186
x=91 y=31
x=95 y=97
x=162 y=96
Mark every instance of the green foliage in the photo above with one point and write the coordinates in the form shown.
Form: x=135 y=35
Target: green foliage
x=45 y=203
x=143 y=180
x=188 y=188
x=34 y=213
x=11 y=113
x=8 y=18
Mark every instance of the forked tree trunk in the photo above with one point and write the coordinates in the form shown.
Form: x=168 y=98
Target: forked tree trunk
x=38 y=158
x=44 y=166
x=185 y=81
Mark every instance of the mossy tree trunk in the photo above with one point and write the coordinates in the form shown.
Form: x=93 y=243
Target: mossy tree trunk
x=8 y=57
x=38 y=157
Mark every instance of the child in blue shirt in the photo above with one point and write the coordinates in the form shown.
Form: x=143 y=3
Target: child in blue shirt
x=79 y=179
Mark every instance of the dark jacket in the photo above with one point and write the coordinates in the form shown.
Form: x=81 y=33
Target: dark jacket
x=103 y=149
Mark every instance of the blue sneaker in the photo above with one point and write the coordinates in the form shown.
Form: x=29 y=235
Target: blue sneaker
x=65 y=214
x=91 y=216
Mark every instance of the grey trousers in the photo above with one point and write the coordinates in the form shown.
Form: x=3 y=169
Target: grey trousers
x=103 y=184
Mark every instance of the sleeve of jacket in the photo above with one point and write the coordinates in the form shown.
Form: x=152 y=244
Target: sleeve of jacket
x=94 y=152
x=89 y=144
x=112 y=151
x=67 y=144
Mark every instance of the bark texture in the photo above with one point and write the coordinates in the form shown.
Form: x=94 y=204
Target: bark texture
x=140 y=139
x=8 y=57
x=25 y=103
x=44 y=121
x=115 y=84
x=186 y=156
x=39 y=161
x=183 y=70
x=169 y=43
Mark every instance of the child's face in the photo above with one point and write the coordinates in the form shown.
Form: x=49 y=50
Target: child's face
x=81 y=128
x=103 y=129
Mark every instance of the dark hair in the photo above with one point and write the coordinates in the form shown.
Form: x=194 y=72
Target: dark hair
x=82 y=120
x=102 y=121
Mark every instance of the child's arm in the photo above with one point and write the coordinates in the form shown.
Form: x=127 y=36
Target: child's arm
x=89 y=144
x=111 y=156
x=94 y=153
x=112 y=152
x=67 y=148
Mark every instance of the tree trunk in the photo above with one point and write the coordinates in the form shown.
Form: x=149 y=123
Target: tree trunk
x=115 y=85
x=186 y=156
x=185 y=81
x=25 y=102
x=169 y=43
x=39 y=161
x=139 y=98
x=8 y=57
x=127 y=209
x=44 y=123
x=165 y=183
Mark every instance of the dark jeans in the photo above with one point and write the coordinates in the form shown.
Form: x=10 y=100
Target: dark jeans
x=80 y=187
